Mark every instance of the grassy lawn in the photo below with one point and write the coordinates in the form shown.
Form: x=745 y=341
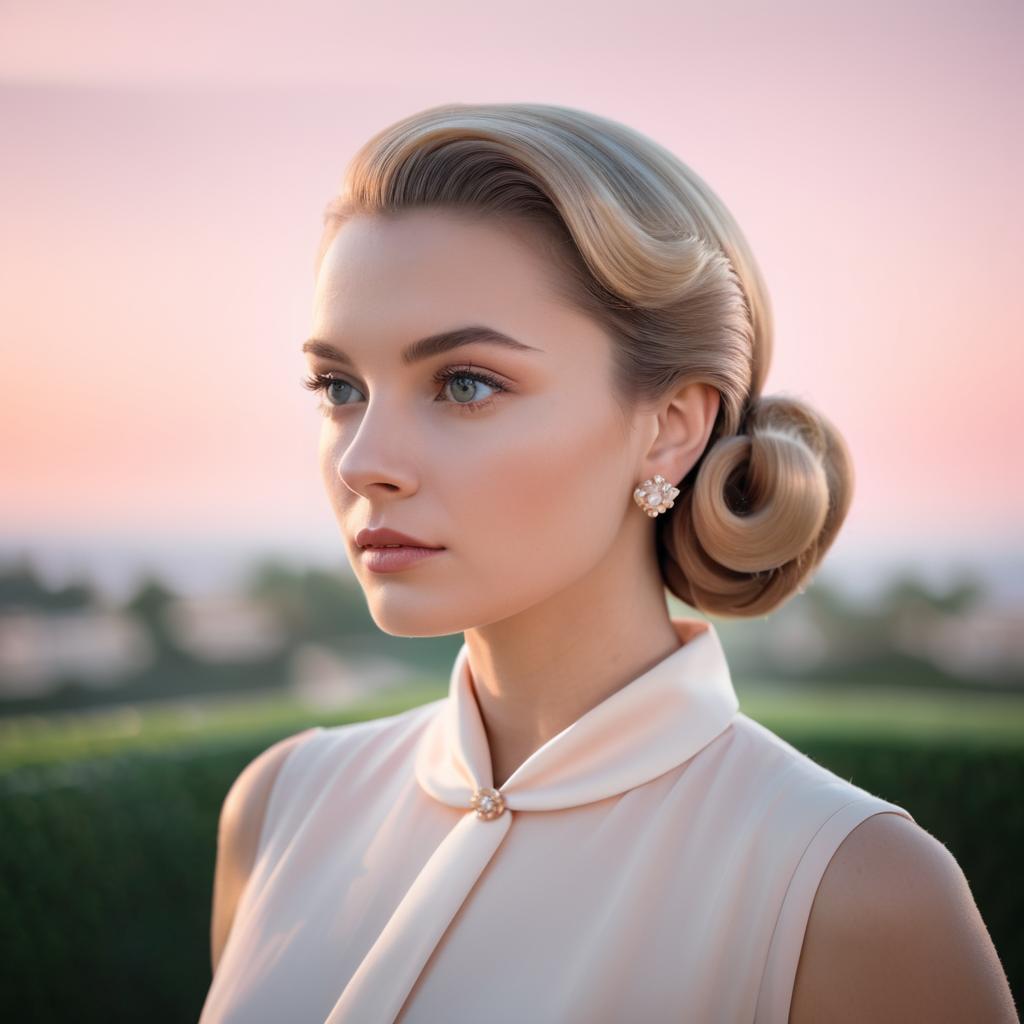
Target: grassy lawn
x=793 y=712
x=990 y=719
x=36 y=740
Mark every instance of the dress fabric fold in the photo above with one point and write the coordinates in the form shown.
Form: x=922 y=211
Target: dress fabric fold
x=647 y=862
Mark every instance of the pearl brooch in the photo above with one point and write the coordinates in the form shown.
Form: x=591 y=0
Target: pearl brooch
x=489 y=803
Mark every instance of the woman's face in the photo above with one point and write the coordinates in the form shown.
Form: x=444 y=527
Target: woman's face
x=523 y=474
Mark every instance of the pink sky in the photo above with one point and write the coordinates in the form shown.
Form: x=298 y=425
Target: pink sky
x=164 y=173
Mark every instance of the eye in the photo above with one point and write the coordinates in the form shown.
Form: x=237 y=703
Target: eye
x=466 y=379
x=324 y=384
x=335 y=391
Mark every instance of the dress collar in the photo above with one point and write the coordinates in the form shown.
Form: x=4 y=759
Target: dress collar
x=655 y=722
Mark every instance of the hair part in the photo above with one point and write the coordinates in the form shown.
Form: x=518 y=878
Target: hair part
x=648 y=250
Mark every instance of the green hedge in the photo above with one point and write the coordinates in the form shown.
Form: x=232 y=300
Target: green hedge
x=106 y=865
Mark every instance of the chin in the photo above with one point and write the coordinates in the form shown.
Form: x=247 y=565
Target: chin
x=415 y=615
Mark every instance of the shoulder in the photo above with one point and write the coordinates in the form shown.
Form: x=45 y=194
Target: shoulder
x=244 y=806
x=894 y=934
x=244 y=809
x=782 y=794
x=238 y=833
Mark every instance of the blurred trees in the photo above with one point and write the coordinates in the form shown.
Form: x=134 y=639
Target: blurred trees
x=912 y=634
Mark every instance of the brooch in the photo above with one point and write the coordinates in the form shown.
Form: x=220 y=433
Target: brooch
x=489 y=803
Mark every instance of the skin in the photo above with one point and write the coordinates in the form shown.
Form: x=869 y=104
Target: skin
x=550 y=570
x=894 y=935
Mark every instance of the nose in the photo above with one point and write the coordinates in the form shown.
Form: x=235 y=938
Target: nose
x=379 y=458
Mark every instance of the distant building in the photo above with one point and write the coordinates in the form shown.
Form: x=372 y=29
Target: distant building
x=983 y=642
x=97 y=648
x=225 y=627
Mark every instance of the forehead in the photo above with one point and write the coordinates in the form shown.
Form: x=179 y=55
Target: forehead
x=420 y=269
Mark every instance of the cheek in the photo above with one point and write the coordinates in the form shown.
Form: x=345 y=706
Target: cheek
x=330 y=450
x=545 y=504
x=326 y=459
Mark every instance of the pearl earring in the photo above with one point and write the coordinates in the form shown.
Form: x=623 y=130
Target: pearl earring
x=655 y=495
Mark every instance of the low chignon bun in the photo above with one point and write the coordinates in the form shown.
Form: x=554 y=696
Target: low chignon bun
x=764 y=506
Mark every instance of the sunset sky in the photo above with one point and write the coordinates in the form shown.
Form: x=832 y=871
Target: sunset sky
x=165 y=167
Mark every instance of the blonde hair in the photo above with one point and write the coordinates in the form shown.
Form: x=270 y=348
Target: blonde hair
x=653 y=254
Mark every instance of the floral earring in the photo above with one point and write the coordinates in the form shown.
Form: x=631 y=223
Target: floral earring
x=655 y=495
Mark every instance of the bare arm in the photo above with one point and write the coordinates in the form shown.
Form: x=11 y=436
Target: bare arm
x=894 y=935
x=241 y=820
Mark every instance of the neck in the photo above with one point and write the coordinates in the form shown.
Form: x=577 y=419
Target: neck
x=538 y=672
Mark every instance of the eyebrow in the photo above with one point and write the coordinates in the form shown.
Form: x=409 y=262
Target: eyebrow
x=425 y=348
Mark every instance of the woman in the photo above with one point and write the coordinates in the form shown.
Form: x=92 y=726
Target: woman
x=539 y=348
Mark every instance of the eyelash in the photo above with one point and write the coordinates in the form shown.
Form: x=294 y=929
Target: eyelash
x=320 y=382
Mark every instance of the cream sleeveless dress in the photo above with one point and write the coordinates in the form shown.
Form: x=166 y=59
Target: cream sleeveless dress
x=655 y=861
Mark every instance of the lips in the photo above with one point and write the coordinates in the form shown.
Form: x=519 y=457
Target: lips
x=383 y=536
x=391 y=560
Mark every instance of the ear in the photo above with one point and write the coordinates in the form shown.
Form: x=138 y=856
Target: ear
x=685 y=420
